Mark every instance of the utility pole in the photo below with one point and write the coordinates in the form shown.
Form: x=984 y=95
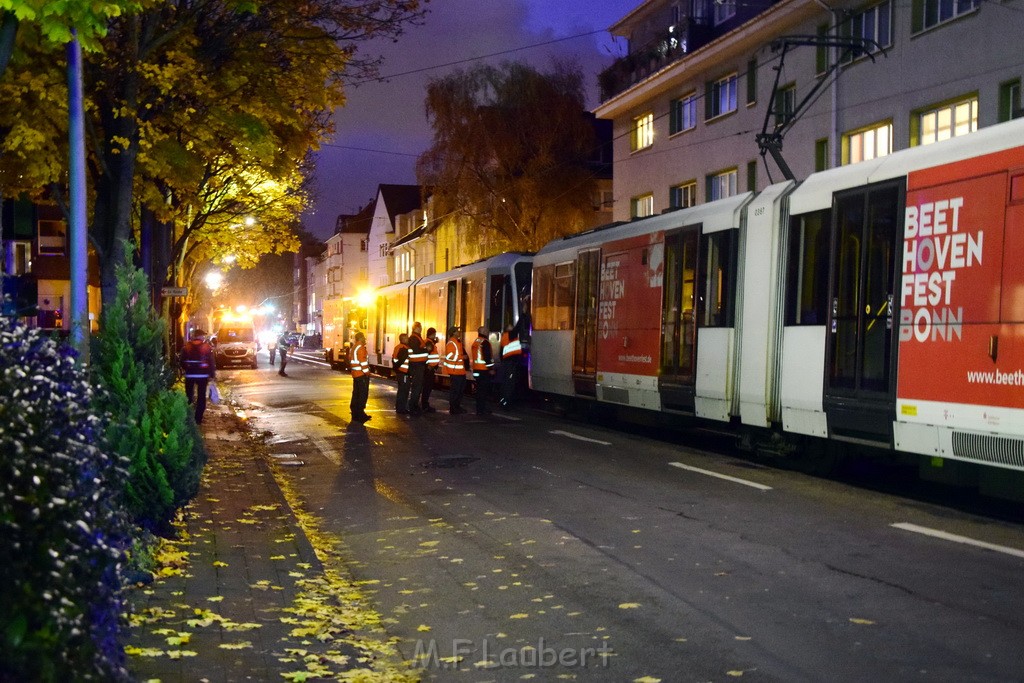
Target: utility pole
x=77 y=230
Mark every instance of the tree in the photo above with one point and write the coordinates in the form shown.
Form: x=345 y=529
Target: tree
x=55 y=21
x=511 y=151
x=200 y=111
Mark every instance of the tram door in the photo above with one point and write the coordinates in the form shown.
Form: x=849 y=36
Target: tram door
x=584 y=357
x=679 y=320
x=860 y=384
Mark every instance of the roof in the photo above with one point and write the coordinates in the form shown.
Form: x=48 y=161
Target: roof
x=357 y=223
x=400 y=199
x=410 y=236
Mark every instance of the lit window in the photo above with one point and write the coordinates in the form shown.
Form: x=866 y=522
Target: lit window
x=722 y=96
x=642 y=206
x=683 y=196
x=721 y=185
x=867 y=143
x=643 y=131
x=927 y=13
x=947 y=121
x=683 y=113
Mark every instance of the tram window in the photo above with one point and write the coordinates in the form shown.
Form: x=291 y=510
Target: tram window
x=807 y=270
x=500 y=314
x=554 y=296
x=719 y=279
x=524 y=277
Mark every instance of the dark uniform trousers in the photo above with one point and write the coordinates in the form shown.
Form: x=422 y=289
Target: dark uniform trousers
x=360 y=394
x=402 y=399
x=416 y=379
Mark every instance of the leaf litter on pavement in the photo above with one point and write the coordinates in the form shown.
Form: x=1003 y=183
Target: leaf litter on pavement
x=332 y=632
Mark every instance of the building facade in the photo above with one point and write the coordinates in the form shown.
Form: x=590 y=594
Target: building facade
x=702 y=79
x=36 y=266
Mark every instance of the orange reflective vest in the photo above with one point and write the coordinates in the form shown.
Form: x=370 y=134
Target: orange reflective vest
x=482 y=361
x=417 y=356
x=453 y=357
x=357 y=362
x=433 y=357
x=400 y=360
x=510 y=347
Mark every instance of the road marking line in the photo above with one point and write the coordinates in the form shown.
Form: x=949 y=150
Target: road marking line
x=507 y=417
x=946 y=536
x=735 y=480
x=325 y=449
x=559 y=432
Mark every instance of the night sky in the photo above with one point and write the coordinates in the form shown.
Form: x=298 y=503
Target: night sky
x=383 y=128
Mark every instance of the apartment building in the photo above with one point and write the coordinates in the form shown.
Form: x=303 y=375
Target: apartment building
x=36 y=266
x=702 y=79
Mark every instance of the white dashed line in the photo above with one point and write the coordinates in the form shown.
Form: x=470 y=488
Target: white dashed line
x=716 y=475
x=946 y=536
x=559 y=432
x=507 y=417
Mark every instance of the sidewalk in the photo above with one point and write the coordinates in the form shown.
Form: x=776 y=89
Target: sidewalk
x=252 y=591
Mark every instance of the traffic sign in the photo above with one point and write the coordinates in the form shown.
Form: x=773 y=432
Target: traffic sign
x=174 y=291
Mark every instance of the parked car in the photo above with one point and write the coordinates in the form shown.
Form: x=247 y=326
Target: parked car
x=311 y=341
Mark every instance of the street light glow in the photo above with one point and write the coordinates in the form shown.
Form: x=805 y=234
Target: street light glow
x=214 y=279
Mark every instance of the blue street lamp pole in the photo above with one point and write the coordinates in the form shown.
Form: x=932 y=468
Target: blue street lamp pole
x=77 y=229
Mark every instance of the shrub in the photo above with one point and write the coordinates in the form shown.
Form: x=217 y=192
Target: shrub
x=62 y=533
x=151 y=425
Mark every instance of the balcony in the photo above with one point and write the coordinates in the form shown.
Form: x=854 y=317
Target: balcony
x=677 y=42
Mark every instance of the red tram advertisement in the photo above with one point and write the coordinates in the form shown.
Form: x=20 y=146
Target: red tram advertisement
x=879 y=304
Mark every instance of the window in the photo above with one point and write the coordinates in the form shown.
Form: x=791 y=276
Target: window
x=822 y=60
x=643 y=132
x=1009 y=101
x=721 y=97
x=947 y=121
x=364 y=245
x=821 y=159
x=642 y=206
x=718 y=264
x=554 y=295
x=17 y=257
x=784 y=105
x=683 y=114
x=721 y=185
x=603 y=200
x=752 y=176
x=925 y=14
x=683 y=196
x=752 y=82
x=807 y=268
x=873 y=24
x=868 y=143
x=52 y=238
x=724 y=10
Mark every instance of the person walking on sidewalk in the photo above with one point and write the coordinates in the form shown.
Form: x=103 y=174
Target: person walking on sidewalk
x=417 y=368
x=400 y=362
x=283 y=346
x=483 y=368
x=455 y=366
x=433 y=360
x=198 y=365
x=360 y=369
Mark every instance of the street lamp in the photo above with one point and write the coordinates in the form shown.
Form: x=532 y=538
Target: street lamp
x=214 y=279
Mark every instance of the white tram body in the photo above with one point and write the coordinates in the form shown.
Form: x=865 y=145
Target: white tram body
x=492 y=293
x=879 y=303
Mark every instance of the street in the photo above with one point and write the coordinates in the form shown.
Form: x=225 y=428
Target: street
x=522 y=545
